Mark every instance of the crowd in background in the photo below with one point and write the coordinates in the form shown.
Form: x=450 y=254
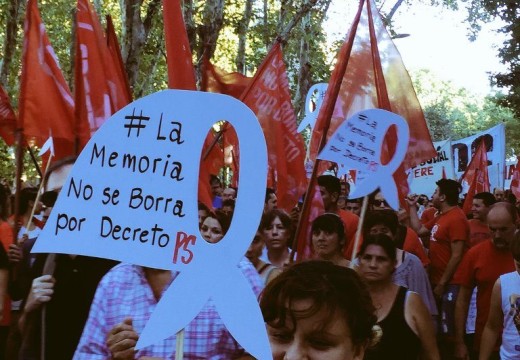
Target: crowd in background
x=426 y=282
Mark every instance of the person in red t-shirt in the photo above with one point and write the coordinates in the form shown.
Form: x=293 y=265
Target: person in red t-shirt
x=330 y=188
x=481 y=267
x=449 y=235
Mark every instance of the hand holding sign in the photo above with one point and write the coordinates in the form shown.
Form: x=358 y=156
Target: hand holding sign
x=358 y=143
x=132 y=196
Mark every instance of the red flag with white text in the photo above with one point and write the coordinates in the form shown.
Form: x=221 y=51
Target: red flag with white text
x=98 y=90
x=269 y=97
x=46 y=105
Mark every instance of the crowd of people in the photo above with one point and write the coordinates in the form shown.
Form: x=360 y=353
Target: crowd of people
x=425 y=282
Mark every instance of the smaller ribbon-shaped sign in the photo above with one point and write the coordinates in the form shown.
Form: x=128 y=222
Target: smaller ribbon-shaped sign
x=358 y=143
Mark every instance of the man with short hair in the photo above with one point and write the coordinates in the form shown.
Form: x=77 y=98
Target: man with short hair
x=499 y=194
x=271 y=201
x=481 y=267
x=229 y=194
x=330 y=189
x=354 y=206
x=478 y=227
x=216 y=191
x=449 y=235
x=504 y=313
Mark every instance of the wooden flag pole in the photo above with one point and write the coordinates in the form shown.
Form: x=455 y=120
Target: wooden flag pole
x=359 y=229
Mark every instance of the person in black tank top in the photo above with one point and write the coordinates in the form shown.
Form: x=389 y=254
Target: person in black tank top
x=406 y=324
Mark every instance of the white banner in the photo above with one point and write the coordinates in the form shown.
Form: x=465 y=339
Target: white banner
x=422 y=177
x=495 y=140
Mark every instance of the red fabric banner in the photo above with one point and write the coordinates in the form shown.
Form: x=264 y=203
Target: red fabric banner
x=219 y=81
x=117 y=61
x=309 y=213
x=46 y=105
x=7 y=118
x=269 y=97
x=476 y=175
x=178 y=53
x=99 y=89
x=374 y=77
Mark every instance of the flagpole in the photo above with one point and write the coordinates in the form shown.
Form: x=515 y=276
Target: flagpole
x=179 y=345
x=325 y=115
x=18 y=182
x=38 y=195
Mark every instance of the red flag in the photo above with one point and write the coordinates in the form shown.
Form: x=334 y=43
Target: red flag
x=372 y=75
x=476 y=175
x=269 y=97
x=515 y=179
x=99 y=91
x=307 y=216
x=46 y=105
x=178 y=53
x=117 y=60
x=7 y=118
x=217 y=80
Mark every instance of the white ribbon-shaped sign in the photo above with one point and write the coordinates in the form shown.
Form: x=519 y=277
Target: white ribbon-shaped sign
x=132 y=196
x=357 y=144
x=312 y=107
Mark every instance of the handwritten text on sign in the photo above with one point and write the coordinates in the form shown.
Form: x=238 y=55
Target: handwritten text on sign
x=132 y=196
x=358 y=144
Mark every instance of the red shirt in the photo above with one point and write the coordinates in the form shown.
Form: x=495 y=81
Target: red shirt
x=445 y=228
x=413 y=245
x=478 y=232
x=351 y=221
x=428 y=215
x=481 y=267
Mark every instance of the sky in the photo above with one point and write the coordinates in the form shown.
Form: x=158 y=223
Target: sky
x=438 y=41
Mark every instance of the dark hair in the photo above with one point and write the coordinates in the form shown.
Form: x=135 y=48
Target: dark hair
x=487 y=198
x=214 y=179
x=385 y=217
x=515 y=246
x=268 y=193
x=331 y=223
x=329 y=287
x=379 y=240
x=269 y=217
x=356 y=200
x=223 y=219
x=229 y=202
x=26 y=195
x=330 y=183
x=347 y=185
x=203 y=206
x=450 y=189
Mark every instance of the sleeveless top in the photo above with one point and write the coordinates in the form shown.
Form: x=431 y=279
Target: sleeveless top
x=398 y=340
x=510 y=284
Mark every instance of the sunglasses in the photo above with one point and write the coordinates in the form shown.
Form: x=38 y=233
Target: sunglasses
x=48 y=198
x=377 y=202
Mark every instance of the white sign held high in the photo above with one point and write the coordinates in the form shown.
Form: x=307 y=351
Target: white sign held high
x=132 y=196
x=357 y=144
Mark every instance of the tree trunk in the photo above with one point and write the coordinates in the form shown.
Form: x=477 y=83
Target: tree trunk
x=191 y=29
x=135 y=35
x=243 y=26
x=304 y=73
x=209 y=31
x=10 y=41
